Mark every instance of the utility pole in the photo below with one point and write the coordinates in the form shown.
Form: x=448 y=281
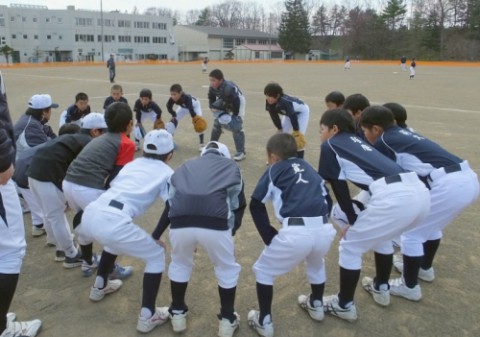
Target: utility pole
x=101 y=19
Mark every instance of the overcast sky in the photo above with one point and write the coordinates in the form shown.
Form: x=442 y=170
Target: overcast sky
x=127 y=5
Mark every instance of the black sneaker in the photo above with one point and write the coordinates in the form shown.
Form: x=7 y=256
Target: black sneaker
x=59 y=255
x=72 y=262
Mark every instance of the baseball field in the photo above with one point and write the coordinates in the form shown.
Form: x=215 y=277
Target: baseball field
x=443 y=103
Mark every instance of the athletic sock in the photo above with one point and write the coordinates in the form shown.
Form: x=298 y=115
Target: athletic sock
x=411 y=266
x=178 y=290
x=383 y=268
x=151 y=284
x=317 y=293
x=348 y=282
x=227 y=303
x=430 y=248
x=265 y=296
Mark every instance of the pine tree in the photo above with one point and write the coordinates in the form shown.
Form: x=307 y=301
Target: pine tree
x=294 y=32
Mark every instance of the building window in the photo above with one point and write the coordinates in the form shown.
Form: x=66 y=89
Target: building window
x=257 y=54
x=35 y=37
x=25 y=36
x=12 y=18
x=24 y=19
x=60 y=37
x=124 y=23
x=159 y=39
x=273 y=42
x=49 y=37
x=252 y=41
x=228 y=43
x=162 y=56
x=84 y=21
x=239 y=42
x=124 y=38
x=276 y=55
x=141 y=24
x=262 y=41
x=59 y=20
x=2 y=22
x=14 y=36
x=35 y=19
x=106 y=22
x=47 y=20
x=142 y=39
x=159 y=25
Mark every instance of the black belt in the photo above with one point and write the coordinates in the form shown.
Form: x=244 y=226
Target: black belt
x=116 y=204
x=452 y=168
x=393 y=179
x=300 y=222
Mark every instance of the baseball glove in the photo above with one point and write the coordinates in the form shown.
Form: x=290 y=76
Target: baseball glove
x=199 y=124
x=299 y=139
x=159 y=124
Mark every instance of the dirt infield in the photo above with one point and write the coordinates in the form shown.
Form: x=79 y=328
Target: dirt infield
x=442 y=102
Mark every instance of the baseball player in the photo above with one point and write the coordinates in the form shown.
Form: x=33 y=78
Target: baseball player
x=399 y=200
x=334 y=99
x=45 y=175
x=403 y=63
x=12 y=232
x=187 y=104
x=32 y=130
x=131 y=193
x=116 y=95
x=228 y=106
x=413 y=65
x=453 y=187
x=75 y=112
x=295 y=114
x=205 y=207
x=90 y=173
x=204 y=64
x=300 y=202
x=356 y=103
x=347 y=64
x=111 y=68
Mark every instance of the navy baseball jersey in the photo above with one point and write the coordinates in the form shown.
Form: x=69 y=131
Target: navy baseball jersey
x=414 y=152
x=138 y=108
x=185 y=101
x=230 y=93
x=286 y=106
x=109 y=100
x=74 y=114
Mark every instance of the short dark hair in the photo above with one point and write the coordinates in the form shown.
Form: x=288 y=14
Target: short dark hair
x=283 y=145
x=399 y=113
x=69 y=128
x=356 y=102
x=36 y=113
x=81 y=96
x=273 y=90
x=216 y=73
x=335 y=97
x=146 y=93
x=116 y=87
x=118 y=116
x=176 y=88
x=377 y=115
x=162 y=157
x=339 y=117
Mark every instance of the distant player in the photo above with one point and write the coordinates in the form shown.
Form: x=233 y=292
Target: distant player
x=204 y=64
x=111 y=68
x=300 y=202
x=399 y=200
x=347 y=64
x=334 y=99
x=116 y=95
x=413 y=65
x=403 y=63
x=205 y=207
x=186 y=104
x=453 y=187
x=109 y=221
x=228 y=106
x=77 y=111
x=295 y=114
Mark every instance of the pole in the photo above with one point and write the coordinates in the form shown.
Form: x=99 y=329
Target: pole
x=101 y=19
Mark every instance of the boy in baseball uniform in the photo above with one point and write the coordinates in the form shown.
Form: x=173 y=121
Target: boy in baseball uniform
x=399 y=200
x=301 y=205
x=109 y=221
x=186 y=104
x=453 y=187
x=212 y=187
x=90 y=173
x=295 y=114
x=116 y=95
x=75 y=112
x=334 y=99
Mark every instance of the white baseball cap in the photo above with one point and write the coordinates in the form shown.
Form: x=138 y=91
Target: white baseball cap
x=41 y=101
x=158 y=142
x=94 y=120
x=220 y=148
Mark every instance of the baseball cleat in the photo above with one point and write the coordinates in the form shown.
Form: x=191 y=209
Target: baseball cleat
x=316 y=312
x=265 y=329
x=179 y=321
x=97 y=294
x=227 y=328
x=399 y=288
x=148 y=324
x=382 y=297
x=332 y=307
x=427 y=275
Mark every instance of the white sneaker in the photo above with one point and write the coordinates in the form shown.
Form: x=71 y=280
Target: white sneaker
x=148 y=324
x=427 y=275
x=265 y=329
x=11 y=316
x=22 y=329
x=227 y=328
x=239 y=156
x=38 y=231
x=317 y=313
x=398 y=288
x=332 y=307
x=382 y=297
x=200 y=147
x=179 y=321
x=98 y=294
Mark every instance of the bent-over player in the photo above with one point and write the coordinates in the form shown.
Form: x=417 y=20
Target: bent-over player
x=295 y=114
x=300 y=202
x=399 y=200
x=131 y=193
x=453 y=187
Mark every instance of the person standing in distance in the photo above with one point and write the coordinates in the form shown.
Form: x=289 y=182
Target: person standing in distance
x=228 y=106
x=295 y=114
x=413 y=65
x=111 y=68
x=301 y=205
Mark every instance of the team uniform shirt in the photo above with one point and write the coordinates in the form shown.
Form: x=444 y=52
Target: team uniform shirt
x=186 y=102
x=231 y=95
x=109 y=100
x=299 y=200
x=97 y=162
x=291 y=107
x=74 y=114
x=142 y=112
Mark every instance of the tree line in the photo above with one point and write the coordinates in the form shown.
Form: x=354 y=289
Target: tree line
x=382 y=29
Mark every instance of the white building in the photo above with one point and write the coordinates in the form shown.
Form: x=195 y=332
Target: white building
x=38 y=34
